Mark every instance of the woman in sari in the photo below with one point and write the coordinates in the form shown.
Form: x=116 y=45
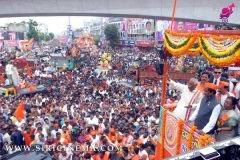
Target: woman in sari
x=228 y=120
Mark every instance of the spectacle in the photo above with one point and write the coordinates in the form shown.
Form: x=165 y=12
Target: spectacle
x=217 y=72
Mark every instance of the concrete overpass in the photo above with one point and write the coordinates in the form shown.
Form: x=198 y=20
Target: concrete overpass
x=193 y=10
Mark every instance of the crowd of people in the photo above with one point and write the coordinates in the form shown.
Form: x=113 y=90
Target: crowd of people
x=108 y=120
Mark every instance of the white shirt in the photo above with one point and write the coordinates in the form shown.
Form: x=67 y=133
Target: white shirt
x=218 y=80
x=224 y=97
x=231 y=86
x=212 y=120
x=180 y=110
x=144 y=140
x=53 y=132
x=6 y=138
x=92 y=121
x=237 y=90
x=95 y=142
x=7 y=82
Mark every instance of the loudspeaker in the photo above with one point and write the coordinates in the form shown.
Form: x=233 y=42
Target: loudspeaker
x=159 y=68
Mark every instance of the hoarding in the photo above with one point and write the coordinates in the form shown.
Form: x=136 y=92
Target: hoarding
x=162 y=25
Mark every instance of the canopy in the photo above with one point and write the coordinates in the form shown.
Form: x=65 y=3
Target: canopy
x=221 y=48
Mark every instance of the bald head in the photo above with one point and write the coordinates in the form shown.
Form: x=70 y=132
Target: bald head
x=193 y=81
x=192 y=84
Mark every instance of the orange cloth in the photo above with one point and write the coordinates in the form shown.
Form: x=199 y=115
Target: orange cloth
x=96 y=157
x=67 y=136
x=139 y=141
x=211 y=86
x=152 y=157
x=238 y=73
x=19 y=113
x=32 y=88
x=144 y=156
x=106 y=156
x=29 y=73
x=94 y=133
x=223 y=84
x=27 y=137
x=136 y=157
x=88 y=139
x=2 y=79
x=112 y=138
x=112 y=130
x=200 y=87
x=120 y=138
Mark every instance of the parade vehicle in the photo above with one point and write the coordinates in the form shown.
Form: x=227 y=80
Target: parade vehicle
x=179 y=139
x=26 y=91
x=140 y=75
x=8 y=91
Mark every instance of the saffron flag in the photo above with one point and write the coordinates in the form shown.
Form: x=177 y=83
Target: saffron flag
x=29 y=73
x=19 y=113
x=2 y=79
x=32 y=88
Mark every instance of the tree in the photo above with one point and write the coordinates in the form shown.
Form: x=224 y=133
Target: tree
x=32 y=31
x=111 y=33
x=96 y=39
x=43 y=36
x=51 y=35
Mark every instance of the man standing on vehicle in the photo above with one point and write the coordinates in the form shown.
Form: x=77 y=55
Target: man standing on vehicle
x=207 y=112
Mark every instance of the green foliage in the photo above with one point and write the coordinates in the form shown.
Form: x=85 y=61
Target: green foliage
x=51 y=35
x=111 y=33
x=43 y=36
x=96 y=39
x=32 y=32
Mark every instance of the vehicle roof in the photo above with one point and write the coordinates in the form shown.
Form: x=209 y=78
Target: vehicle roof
x=9 y=89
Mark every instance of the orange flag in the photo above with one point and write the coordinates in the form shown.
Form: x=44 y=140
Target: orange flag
x=26 y=84
x=19 y=113
x=32 y=88
x=2 y=79
x=29 y=73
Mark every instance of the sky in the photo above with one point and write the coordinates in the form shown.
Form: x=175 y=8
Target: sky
x=56 y=25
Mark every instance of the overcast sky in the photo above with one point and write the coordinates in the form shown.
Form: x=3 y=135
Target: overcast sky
x=55 y=24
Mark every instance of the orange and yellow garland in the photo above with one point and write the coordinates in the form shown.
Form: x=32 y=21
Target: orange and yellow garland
x=205 y=140
x=190 y=139
x=179 y=136
x=221 y=50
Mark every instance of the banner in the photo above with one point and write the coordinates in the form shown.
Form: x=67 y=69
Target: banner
x=185 y=138
x=8 y=43
x=162 y=25
x=12 y=37
x=171 y=133
x=149 y=26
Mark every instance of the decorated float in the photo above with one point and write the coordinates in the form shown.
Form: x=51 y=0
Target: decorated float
x=220 y=48
x=104 y=65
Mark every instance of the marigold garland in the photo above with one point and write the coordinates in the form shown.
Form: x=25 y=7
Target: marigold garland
x=201 y=141
x=195 y=43
x=179 y=132
x=163 y=134
x=176 y=49
x=205 y=140
x=190 y=139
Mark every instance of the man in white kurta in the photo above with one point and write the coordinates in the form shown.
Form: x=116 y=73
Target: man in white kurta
x=190 y=97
